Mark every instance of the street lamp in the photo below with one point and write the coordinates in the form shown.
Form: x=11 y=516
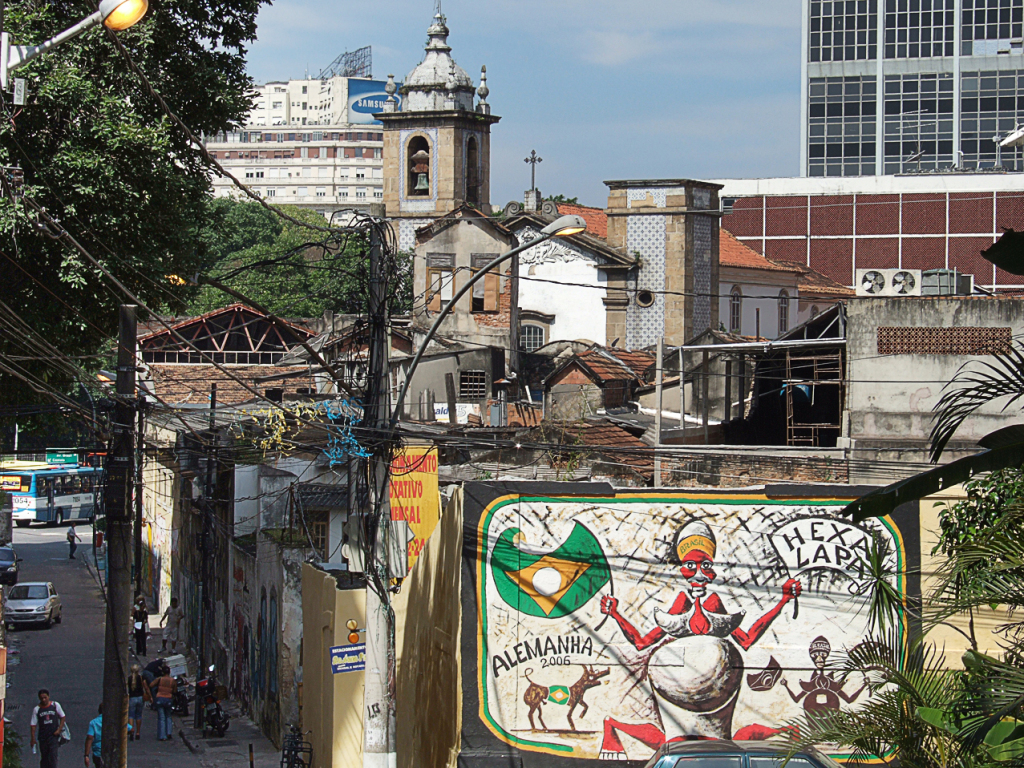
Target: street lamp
x=113 y=14
x=561 y=227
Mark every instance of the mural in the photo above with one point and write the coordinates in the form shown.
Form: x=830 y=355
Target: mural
x=608 y=627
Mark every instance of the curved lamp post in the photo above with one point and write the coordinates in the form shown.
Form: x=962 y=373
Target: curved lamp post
x=113 y=14
x=561 y=227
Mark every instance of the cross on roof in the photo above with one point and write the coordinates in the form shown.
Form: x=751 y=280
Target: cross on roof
x=533 y=159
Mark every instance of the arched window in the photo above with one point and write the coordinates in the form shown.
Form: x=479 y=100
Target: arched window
x=531 y=337
x=472 y=171
x=418 y=160
x=783 y=311
x=736 y=310
x=814 y=311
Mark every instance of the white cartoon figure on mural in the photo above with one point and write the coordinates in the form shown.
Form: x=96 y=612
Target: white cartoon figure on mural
x=695 y=669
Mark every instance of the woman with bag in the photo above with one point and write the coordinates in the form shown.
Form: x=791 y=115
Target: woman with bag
x=138 y=694
x=163 y=689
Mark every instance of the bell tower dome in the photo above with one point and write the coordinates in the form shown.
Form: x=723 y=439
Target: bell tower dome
x=437 y=148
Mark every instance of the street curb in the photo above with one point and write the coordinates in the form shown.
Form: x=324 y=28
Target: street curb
x=93 y=572
x=193 y=746
x=195 y=749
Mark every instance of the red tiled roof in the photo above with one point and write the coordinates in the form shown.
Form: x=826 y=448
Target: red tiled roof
x=616 y=364
x=733 y=253
x=636 y=360
x=598 y=433
x=596 y=218
x=190 y=384
x=816 y=284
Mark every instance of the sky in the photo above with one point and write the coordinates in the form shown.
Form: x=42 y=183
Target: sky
x=601 y=89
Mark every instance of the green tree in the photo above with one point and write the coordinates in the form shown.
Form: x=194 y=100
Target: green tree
x=290 y=270
x=98 y=153
x=563 y=199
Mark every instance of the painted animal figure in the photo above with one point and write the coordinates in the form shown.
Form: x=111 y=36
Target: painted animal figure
x=534 y=698
x=589 y=679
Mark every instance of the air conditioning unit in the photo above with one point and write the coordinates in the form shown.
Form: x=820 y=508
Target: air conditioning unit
x=888 y=282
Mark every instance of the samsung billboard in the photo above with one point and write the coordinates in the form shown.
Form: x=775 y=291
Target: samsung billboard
x=365 y=99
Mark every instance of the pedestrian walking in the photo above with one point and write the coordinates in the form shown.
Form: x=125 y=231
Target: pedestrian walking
x=138 y=695
x=46 y=727
x=94 y=740
x=163 y=689
x=170 y=621
x=152 y=670
x=140 y=617
x=73 y=539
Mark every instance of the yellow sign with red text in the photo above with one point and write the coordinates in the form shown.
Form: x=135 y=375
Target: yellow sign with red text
x=414 y=495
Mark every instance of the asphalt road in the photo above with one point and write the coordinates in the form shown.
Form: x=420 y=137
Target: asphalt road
x=67 y=659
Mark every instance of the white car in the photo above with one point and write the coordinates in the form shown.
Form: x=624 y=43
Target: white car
x=32 y=602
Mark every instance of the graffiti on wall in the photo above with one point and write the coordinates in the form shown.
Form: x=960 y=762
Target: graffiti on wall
x=606 y=629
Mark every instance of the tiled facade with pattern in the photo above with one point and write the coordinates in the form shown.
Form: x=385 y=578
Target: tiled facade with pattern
x=838 y=234
x=672 y=226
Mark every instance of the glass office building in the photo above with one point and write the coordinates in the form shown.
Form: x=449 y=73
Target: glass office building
x=902 y=86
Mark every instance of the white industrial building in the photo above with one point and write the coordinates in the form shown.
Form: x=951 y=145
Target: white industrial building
x=310 y=142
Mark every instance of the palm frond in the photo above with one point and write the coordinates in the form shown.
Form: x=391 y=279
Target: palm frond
x=976 y=384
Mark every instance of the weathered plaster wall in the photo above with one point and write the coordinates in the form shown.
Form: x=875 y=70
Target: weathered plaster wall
x=427 y=616
x=578 y=309
x=890 y=397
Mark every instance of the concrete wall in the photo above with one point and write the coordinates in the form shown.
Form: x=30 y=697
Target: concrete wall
x=950 y=637
x=890 y=397
x=427 y=613
x=332 y=704
x=430 y=374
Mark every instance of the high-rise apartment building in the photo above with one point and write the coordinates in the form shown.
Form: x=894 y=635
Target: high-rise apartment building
x=312 y=143
x=895 y=86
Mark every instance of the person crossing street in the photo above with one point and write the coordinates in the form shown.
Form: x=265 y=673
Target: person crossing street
x=73 y=539
x=46 y=727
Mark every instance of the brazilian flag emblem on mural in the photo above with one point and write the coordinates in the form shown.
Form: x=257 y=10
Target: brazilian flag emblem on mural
x=549 y=585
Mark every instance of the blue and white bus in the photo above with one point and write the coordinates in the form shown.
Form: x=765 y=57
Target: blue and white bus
x=47 y=494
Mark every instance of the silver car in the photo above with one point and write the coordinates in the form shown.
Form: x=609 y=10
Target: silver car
x=32 y=603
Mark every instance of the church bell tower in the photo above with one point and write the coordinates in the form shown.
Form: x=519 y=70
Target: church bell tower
x=437 y=150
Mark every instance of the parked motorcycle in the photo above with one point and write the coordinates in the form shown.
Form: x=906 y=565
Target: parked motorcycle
x=179 y=703
x=214 y=716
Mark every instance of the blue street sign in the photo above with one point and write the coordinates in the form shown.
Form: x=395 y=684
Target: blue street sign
x=348 y=658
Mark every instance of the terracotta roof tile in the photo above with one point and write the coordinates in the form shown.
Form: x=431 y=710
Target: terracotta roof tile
x=190 y=384
x=596 y=218
x=617 y=364
x=814 y=284
x=733 y=253
x=599 y=434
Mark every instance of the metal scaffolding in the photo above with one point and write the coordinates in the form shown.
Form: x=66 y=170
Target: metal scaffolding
x=357 y=63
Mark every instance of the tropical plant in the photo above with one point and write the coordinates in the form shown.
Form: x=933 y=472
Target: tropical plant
x=902 y=679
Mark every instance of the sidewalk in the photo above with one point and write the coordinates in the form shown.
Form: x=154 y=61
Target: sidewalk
x=212 y=751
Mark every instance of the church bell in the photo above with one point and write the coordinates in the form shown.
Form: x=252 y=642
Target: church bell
x=422 y=185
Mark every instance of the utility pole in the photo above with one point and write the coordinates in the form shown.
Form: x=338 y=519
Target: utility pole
x=379 y=743
x=117 y=502
x=139 y=464
x=659 y=391
x=204 y=555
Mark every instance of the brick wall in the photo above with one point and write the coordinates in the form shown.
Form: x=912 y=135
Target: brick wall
x=907 y=230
